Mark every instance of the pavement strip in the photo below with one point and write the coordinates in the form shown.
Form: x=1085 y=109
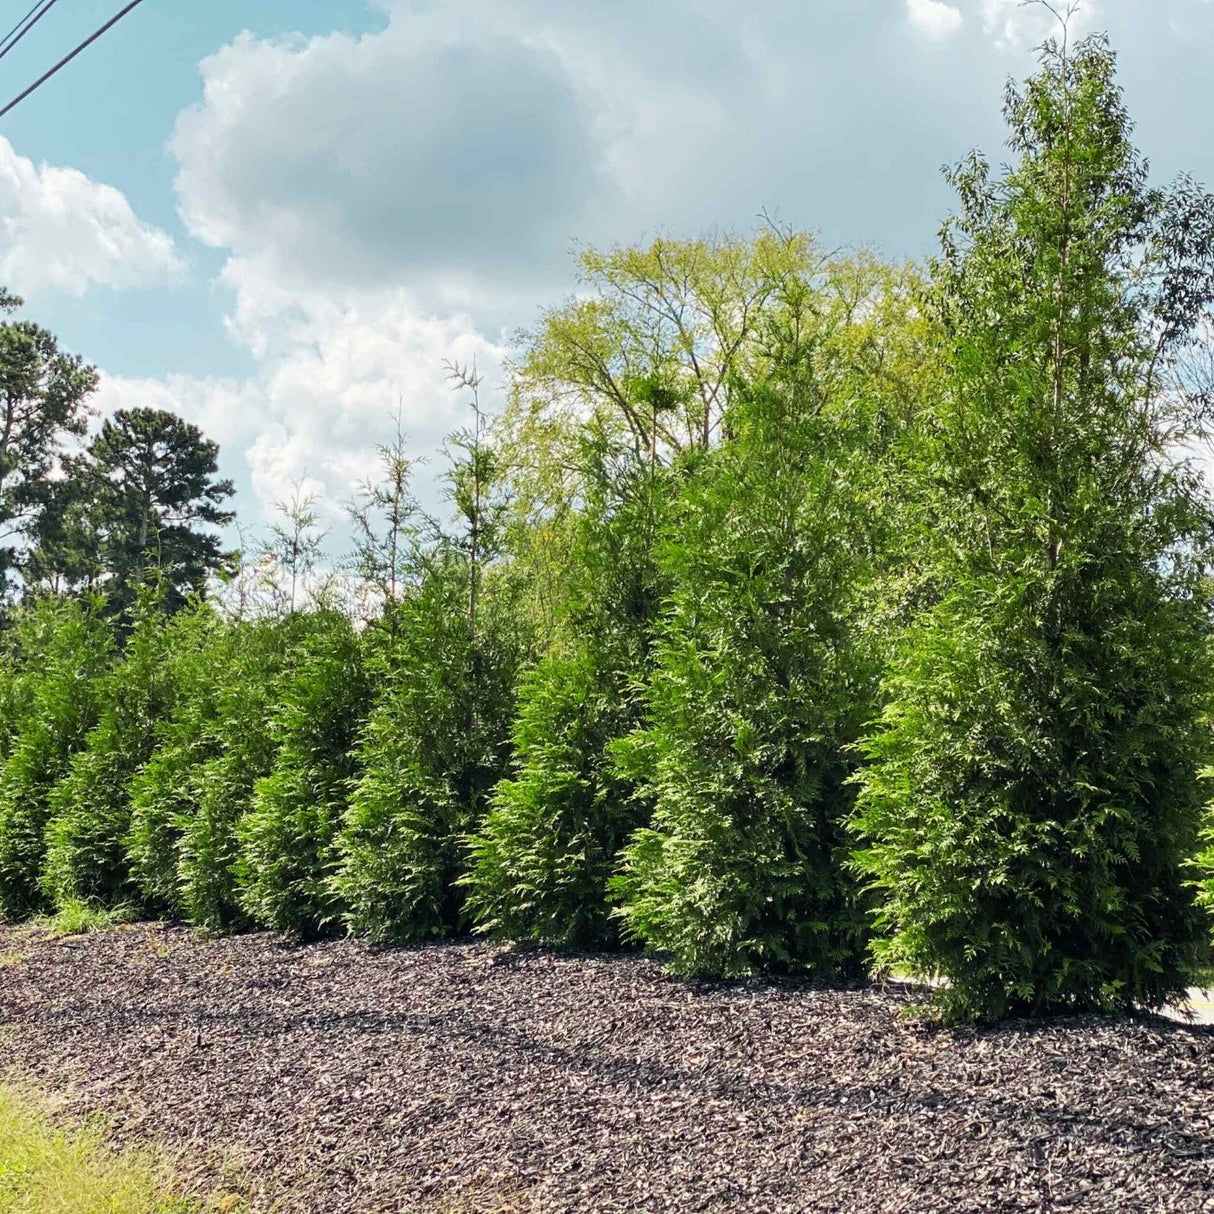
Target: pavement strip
x=1197 y=1008
x=1200 y=1003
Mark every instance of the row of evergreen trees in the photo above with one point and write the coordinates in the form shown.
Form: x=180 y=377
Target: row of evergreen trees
x=801 y=613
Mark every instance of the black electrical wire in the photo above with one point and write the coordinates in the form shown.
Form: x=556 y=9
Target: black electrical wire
x=37 y=5
x=69 y=57
x=25 y=29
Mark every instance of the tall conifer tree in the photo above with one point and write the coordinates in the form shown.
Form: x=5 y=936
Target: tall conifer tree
x=445 y=664
x=62 y=655
x=1033 y=790
x=764 y=672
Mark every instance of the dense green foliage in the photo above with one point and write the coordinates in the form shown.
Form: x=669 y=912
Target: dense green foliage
x=58 y=653
x=1033 y=793
x=286 y=837
x=766 y=666
x=446 y=664
x=164 y=790
x=800 y=613
x=90 y=808
x=212 y=747
x=254 y=669
x=759 y=689
x=544 y=860
x=433 y=749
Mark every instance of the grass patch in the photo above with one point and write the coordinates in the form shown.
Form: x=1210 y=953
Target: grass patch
x=80 y=918
x=47 y=1169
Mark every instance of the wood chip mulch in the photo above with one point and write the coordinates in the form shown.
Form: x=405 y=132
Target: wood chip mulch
x=466 y=1078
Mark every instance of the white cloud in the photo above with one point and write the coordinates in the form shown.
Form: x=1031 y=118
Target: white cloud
x=226 y=410
x=387 y=201
x=62 y=231
x=369 y=192
x=353 y=160
x=1014 y=24
x=933 y=18
x=332 y=376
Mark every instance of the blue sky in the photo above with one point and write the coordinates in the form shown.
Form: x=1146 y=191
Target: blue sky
x=278 y=217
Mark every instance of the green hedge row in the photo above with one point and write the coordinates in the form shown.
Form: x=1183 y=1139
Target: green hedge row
x=831 y=617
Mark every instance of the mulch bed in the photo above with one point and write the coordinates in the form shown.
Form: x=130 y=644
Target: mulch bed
x=463 y=1077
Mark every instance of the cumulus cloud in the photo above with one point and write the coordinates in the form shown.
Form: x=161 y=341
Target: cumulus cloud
x=933 y=18
x=387 y=201
x=62 y=231
x=225 y=409
x=353 y=160
x=363 y=190
x=394 y=200
x=326 y=393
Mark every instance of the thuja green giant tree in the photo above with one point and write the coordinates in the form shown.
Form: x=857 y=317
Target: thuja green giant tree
x=1033 y=788
x=211 y=748
x=62 y=651
x=764 y=674
x=286 y=838
x=444 y=660
x=548 y=848
x=163 y=792
x=90 y=807
x=613 y=404
x=258 y=662
x=11 y=697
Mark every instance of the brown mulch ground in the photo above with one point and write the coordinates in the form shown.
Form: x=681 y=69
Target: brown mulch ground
x=465 y=1078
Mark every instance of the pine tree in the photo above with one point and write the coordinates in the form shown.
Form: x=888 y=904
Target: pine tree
x=43 y=400
x=139 y=504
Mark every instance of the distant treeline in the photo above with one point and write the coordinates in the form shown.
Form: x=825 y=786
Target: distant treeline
x=799 y=613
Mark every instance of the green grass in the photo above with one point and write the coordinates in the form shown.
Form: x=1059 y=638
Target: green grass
x=48 y=1169
x=79 y=918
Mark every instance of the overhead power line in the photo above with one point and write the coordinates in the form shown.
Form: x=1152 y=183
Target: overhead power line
x=20 y=23
x=69 y=57
x=25 y=25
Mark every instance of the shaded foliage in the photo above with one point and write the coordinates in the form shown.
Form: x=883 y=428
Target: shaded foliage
x=549 y=844
x=211 y=749
x=761 y=685
x=59 y=653
x=286 y=838
x=433 y=749
x=90 y=807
